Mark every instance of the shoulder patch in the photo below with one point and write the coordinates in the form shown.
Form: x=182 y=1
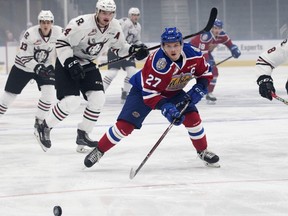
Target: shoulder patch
x=161 y=64
x=204 y=37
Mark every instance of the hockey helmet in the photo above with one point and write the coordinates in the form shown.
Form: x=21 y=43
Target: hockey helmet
x=171 y=35
x=218 y=23
x=45 y=15
x=133 y=10
x=105 y=5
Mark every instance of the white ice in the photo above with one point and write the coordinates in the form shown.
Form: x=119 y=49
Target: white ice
x=248 y=132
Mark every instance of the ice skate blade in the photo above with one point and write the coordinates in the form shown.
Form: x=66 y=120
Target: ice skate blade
x=83 y=149
x=210 y=102
x=44 y=148
x=212 y=165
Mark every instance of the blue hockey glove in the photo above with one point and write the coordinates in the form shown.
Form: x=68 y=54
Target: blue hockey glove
x=197 y=92
x=139 y=51
x=266 y=86
x=170 y=111
x=75 y=69
x=235 y=51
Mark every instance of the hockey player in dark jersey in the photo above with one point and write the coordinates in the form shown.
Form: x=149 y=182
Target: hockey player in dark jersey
x=159 y=86
x=76 y=73
x=207 y=42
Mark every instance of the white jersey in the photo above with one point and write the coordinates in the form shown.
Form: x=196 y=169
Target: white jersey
x=36 y=49
x=132 y=31
x=84 y=39
x=272 y=58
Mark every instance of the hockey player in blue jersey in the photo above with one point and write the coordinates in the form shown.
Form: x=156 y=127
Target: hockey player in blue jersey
x=159 y=86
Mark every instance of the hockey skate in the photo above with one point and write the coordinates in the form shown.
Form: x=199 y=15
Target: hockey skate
x=43 y=136
x=84 y=140
x=37 y=123
x=210 y=98
x=210 y=159
x=93 y=157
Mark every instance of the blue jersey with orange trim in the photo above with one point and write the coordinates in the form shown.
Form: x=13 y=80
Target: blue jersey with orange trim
x=163 y=78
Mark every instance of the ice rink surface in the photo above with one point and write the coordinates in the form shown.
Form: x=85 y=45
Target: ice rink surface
x=248 y=132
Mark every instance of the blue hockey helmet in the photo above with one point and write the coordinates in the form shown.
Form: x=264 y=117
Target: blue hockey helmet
x=171 y=35
x=218 y=23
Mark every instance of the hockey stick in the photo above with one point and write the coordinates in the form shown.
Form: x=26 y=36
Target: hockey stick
x=279 y=98
x=224 y=60
x=212 y=17
x=133 y=172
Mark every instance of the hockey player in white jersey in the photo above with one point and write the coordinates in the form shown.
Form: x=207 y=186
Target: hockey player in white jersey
x=132 y=32
x=265 y=64
x=34 y=60
x=82 y=41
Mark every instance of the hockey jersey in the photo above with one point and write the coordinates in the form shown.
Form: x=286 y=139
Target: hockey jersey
x=207 y=42
x=36 y=49
x=272 y=58
x=163 y=78
x=132 y=31
x=84 y=39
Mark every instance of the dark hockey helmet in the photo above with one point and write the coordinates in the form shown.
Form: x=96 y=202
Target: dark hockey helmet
x=171 y=35
x=218 y=23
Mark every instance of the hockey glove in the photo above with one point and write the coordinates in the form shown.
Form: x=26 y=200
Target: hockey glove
x=197 y=92
x=235 y=51
x=75 y=69
x=46 y=73
x=139 y=51
x=266 y=86
x=170 y=111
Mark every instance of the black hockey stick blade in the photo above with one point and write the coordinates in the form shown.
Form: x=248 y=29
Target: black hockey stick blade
x=212 y=17
x=210 y=23
x=132 y=173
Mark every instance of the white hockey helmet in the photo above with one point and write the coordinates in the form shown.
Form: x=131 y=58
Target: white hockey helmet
x=45 y=15
x=133 y=10
x=105 y=5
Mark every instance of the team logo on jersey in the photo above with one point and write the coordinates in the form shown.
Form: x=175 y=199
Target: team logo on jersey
x=93 y=32
x=179 y=81
x=94 y=48
x=161 y=64
x=41 y=55
x=136 y=114
x=204 y=37
x=38 y=42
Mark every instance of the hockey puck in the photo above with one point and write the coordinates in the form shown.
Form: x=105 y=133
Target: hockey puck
x=57 y=210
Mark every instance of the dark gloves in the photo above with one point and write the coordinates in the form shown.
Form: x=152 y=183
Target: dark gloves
x=46 y=73
x=266 y=86
x=235 y=51
x=197 y=92
x=139 y=51
x=75 y=69
x=170 y=111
